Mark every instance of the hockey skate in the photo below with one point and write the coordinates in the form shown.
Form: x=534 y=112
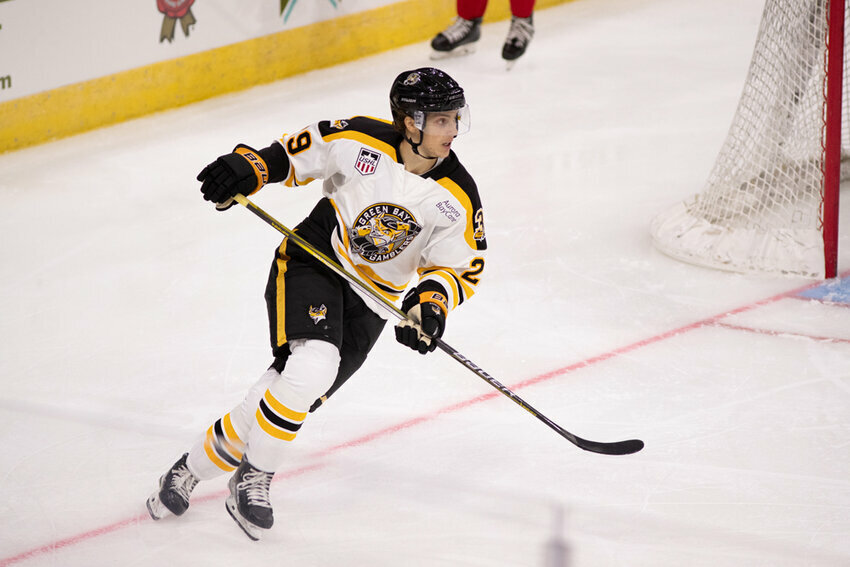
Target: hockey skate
x=175 y=487
x=519 y=36
x=248 y=503
x=460 y=38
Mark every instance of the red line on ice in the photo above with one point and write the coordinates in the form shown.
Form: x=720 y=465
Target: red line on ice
x=365 y=439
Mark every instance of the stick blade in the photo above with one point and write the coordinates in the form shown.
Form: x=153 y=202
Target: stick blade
x=627 y=447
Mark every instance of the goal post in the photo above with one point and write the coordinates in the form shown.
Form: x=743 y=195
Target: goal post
x=833 y=137
x=770 y=204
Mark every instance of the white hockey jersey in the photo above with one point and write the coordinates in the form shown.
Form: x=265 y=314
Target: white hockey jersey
x=394 y=228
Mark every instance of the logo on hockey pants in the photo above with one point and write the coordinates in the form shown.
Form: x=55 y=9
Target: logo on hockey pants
x=317 y=313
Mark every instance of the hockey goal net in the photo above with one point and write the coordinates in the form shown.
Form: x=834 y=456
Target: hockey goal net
x=770 y=203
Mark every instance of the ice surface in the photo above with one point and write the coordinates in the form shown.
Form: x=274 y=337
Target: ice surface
x=132 y=316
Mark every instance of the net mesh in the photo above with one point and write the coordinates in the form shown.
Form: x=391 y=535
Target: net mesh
x=760 y=209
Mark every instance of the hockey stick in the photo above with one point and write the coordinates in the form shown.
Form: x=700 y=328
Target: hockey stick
x=613 y=448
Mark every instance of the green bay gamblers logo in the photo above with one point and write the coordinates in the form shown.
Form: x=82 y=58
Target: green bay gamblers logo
x=382 y=232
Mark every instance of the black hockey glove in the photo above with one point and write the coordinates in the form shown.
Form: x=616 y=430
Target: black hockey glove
x=426 y=319
x=242 y=171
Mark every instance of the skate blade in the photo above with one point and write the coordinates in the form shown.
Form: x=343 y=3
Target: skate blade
x=155 y=507
x=252 y=531
x=467 y=49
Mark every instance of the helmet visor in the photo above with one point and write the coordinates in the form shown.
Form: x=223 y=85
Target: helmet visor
x=443 y=122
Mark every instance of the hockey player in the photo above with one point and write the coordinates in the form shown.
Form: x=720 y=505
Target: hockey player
x=400 y=211
x=461 y=36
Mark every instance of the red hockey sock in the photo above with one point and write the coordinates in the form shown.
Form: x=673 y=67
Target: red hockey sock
x=471 y=9
x=521 y=8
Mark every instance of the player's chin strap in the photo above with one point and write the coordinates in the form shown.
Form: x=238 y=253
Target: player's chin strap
x=614 y=448
x=415 y=146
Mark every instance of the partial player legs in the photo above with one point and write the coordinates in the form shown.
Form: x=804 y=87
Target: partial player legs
x=175 y=487
x=249 y=504
x=217 y=452
x=221 y=448
x=472 y=9
x=522 y=8
x=253 y=438
x=461 y=37
x=519 y=36
x=310 y=371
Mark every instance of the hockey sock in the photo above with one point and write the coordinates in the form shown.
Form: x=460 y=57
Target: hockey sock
x=522 y=8
x=221 y=448
x=471 y=9
x=310 y=371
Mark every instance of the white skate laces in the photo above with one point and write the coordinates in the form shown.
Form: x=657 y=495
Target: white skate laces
x=458 y=29
x=255 y=485
x=175 y=488
x=521 y=32
x=519 y=36
x=183 y=482
x=249 y=504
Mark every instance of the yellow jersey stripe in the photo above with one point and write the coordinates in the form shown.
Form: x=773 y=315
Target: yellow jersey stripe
x=463 y=198
x=365 y=278
x=451 y=285
x=379 y=145
x=370 y=273
x=450 y=275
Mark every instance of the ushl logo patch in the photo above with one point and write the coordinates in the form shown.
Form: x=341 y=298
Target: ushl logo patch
x=367 y=161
